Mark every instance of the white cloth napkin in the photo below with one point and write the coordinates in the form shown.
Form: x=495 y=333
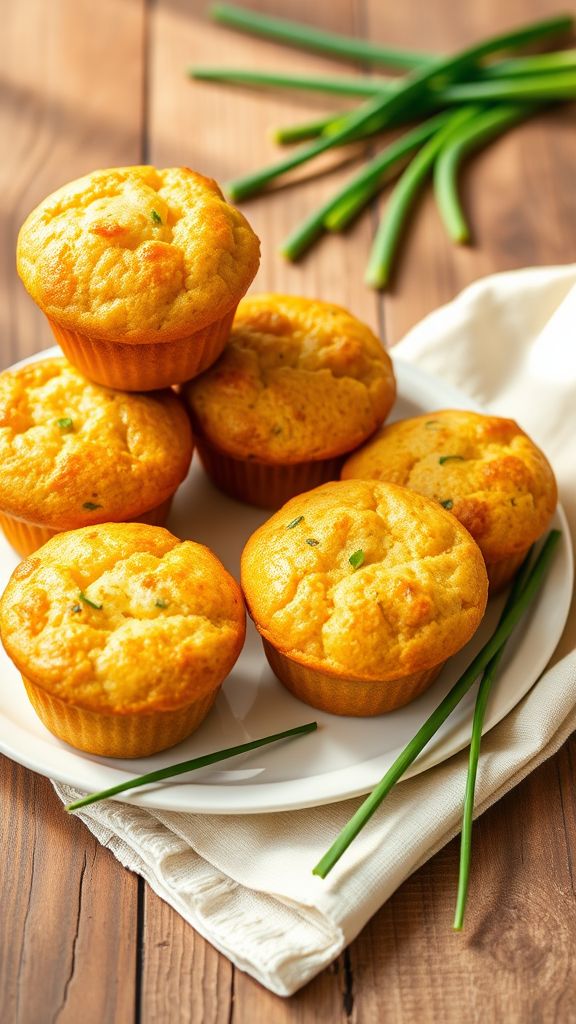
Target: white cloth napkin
x=245 y=882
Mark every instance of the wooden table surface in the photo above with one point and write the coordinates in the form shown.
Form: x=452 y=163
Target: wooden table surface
x=86 y=85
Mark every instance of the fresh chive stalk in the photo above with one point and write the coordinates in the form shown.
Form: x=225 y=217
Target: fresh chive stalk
x=558 y=86
x=363 y=184
x=471 y=136
x=307 y=37
x=189 y=766
x=292 y=133
x=328 y=125
x=334 y=85
x=382 y=110
x=351 y=205
x=403 y=197
x=535 y=64
x=440 y=714
x=477 y=725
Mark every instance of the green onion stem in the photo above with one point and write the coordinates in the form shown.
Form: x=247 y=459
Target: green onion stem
x=477 y=725
x=351 y=205
x=383 y=109
x=301 y=35
x=306 y=233
x=403 y=197
x=441 y=713
x=558 y=86
x=339 y=86
x=328 y=125
x=471 y=136
x=189 y=766
x=535 y=64
x=305 y=130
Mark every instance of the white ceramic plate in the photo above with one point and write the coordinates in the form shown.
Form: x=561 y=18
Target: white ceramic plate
x=346 y=756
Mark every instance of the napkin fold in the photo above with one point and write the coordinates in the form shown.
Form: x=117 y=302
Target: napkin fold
x=245 y=882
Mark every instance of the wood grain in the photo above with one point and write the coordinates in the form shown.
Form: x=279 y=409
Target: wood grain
x=183 y=977
x=85 y=85
x=68 y=922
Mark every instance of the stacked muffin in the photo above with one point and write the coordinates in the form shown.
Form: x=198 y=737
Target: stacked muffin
x=139 y=272
x=360 y=588
x=300 y=384
x=123 y=634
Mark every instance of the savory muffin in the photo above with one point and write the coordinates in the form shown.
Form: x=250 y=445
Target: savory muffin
x=299 y=384
x=73 y=453
x=123 y=635
x=139 y=272
x=361 y=590
x=483 y=469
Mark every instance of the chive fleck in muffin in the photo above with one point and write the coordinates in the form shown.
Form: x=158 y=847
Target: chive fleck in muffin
x=73 y=453
x=360 y=591
x=123 y=635
x=483 y=469
x=299 y=384
x=139 y=272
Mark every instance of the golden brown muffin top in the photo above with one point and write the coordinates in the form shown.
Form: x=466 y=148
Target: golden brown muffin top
x=136 y=254
x=364 y=580
x=123 y=618
x=483 y=469
x=74 y=453
x=298 y=380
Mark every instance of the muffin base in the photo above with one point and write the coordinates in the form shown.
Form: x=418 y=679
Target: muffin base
x=500 y=573
x=347 y=696
x=127 y=736
x=147 y=366
x=261 y=483
x=26 y=537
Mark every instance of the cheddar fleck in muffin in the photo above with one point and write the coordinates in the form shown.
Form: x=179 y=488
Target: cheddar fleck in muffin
x=483 y=469
x=123 y=635
x=139 y=272
x=299 y=384
x=360 y=591
x=74 y=453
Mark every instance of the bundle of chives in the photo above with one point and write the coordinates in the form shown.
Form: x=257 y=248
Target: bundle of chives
x=432 y=84
x=382 y=109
